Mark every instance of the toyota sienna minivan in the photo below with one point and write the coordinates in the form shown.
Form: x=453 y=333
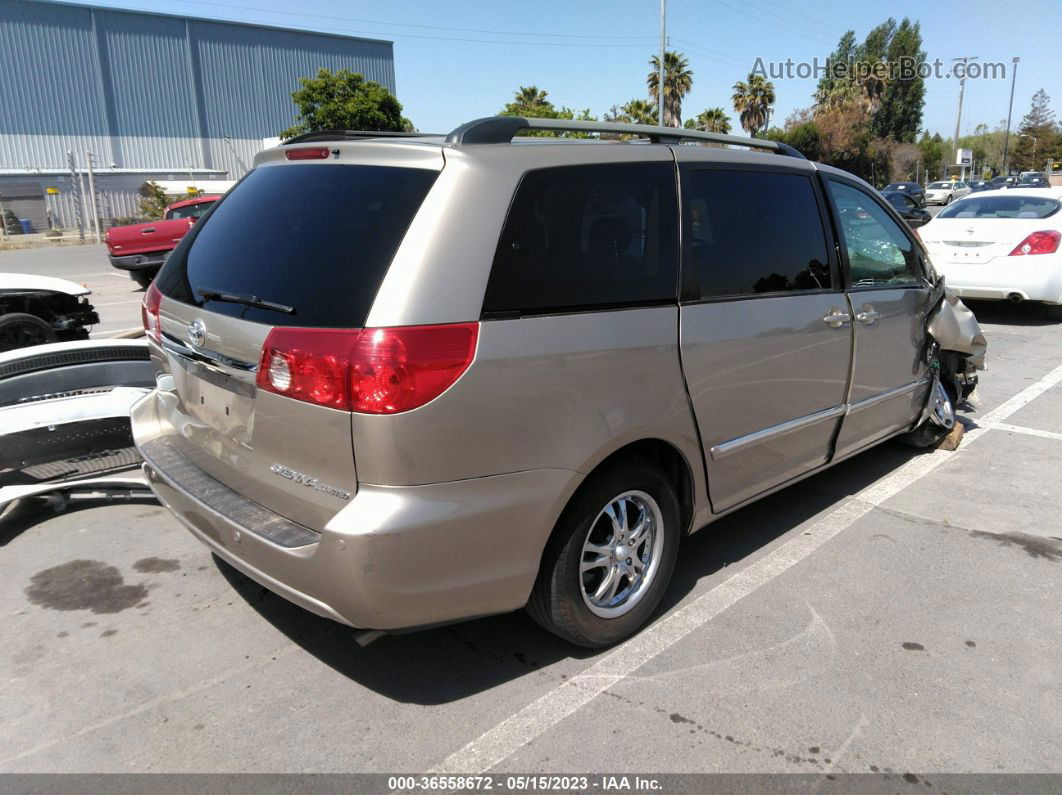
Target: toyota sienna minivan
x=411 y=380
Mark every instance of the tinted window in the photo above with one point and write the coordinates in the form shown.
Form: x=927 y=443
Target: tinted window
x=755 y=232
x=1003 y=206
x=879 y=253
x=188 y=211
x=587 y=237
x=318 y=238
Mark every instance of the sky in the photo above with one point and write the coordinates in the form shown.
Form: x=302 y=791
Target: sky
x=461 y=59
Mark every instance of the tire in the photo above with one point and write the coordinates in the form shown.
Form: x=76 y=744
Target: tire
x=559 y=600
x=947 y=200
x=20 y=330
x=929 y=433
x=142 y=278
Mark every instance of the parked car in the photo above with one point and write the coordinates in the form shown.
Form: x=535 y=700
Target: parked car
x=907 y=207
x=978 y=185
x=141 y=249
x=451 y=377
x=912 y=189
x=945 y=191
x=1032 y=182
x=1003 y=182
x=1001 y=246
x=39 y=309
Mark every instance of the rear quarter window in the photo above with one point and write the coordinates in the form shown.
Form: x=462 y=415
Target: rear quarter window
x=587 y=237
x=318 y=238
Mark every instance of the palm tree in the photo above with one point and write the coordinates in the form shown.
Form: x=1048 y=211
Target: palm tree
x=710 y=120
x=753 y=100
x=639 y=111
x=531 y=96
x=678 y=80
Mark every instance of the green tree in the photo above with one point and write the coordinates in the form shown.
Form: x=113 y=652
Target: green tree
x=344 y=101
x=899 y=115
x=1038 y=138
x=678 y=80
x=531 y=102
x=710 y=120
x=752 y=100
x=842 y=56
x=154 y=201
x=805 y=138
x=531 y=96
x=932 y=152
x=640 y=111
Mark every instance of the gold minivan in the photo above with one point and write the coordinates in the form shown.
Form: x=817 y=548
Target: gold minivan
x=410 y=380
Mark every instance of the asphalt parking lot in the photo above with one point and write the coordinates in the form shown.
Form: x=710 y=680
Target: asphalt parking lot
x=897 y=614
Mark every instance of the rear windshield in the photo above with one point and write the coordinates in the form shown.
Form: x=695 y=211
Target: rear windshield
x=318 y=238
x=188 y=211
x=1001 y=207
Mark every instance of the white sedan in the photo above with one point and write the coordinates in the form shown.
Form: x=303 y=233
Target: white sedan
x=1001 y=245
x=945 y=192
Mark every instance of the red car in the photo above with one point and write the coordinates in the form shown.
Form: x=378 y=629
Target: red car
x=142 y=248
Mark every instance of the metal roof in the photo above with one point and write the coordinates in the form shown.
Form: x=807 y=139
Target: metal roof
x=147 y=90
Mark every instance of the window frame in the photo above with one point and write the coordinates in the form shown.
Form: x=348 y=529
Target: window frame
x=690 y=292
x=581 y=309
x=842 y=248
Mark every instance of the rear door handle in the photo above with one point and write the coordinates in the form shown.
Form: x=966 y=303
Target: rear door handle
x=147 y=231
x=868 y=317
x=836 y=318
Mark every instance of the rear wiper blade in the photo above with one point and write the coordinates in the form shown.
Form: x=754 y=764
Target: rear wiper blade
x=247 y=300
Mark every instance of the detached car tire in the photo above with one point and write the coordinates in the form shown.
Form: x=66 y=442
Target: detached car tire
x=610 y=557
x=20 y=330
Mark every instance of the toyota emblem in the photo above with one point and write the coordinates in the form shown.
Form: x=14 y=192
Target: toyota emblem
x=197 y=333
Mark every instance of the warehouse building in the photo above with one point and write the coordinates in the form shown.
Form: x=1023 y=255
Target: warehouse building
x=145 y=96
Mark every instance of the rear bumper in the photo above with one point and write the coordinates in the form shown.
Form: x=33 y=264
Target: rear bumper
x=139 y=262
x=393 y=557
x=1026 y=277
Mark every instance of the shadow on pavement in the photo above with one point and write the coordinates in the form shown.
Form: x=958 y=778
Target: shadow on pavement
x=446 y=664
x=1027 y=313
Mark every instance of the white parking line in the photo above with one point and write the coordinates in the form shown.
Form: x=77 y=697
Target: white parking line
x=1005 y=426
x=512 y=734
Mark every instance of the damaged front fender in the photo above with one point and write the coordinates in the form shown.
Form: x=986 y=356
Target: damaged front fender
x=954 y=327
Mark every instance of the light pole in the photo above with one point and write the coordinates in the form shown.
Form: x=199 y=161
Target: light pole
x=1010 y=109
x=965 y=59
x=660 y=74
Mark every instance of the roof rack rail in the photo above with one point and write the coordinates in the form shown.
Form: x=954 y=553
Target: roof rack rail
x=502 y=129
x=346 y=135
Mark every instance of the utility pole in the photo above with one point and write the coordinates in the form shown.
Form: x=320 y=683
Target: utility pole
x=92 y=200
x=660 y=75
x=1010 y=109
x=965 y=59
x=75 y=184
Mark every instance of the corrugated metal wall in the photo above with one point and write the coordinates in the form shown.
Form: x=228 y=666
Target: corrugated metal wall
x=155 y=92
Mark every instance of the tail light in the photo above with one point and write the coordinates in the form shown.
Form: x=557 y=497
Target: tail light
x=1045 y=242
x=149 y=312
x=370 y=371
x=310 y=153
